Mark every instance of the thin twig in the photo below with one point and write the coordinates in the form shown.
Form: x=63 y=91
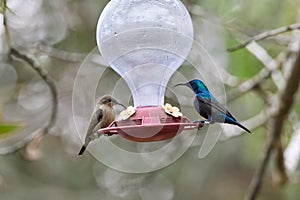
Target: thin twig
x=265 y=35
x=29 y=152
x=262 y=94
x=270 y=64
x=48 y=80
x=60 y=54
x=248 y=85
x=68 y=56
x=6 y=33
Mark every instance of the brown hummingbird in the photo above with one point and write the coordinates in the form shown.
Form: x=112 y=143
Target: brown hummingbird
x=103 y=116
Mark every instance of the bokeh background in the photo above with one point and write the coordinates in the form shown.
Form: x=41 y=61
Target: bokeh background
x=59 y=35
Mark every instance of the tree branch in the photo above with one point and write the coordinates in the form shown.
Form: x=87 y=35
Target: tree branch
x=265 y=35
x=256 y=181
x=270 y=64
x=48 y=80
x=279 y=110
x=31 y=150
x=280 y=176
x=6 y=32
x=60 y=54
x=43 y=74
x=292 y=152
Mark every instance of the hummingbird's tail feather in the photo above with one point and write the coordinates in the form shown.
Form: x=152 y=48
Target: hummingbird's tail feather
x=243 y=127
x=82 y=150
x=230 y=120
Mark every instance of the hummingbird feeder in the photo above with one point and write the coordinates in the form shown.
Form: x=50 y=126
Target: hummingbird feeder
x=145 y=41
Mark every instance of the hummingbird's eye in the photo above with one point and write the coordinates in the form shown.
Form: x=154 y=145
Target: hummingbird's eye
x=109 y=100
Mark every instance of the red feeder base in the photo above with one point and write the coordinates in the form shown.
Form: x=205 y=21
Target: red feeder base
x=150 y=124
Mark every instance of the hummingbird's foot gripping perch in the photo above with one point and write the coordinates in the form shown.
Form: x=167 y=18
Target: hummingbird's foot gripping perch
x=200 y=123
x=204 y=122
x=208 y=122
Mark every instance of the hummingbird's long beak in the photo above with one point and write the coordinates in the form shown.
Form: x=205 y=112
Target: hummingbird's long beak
x=117 y=103
x=184 y=84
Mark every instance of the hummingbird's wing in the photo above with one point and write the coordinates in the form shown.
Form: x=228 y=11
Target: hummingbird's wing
x=211 y=101
x=95 y=119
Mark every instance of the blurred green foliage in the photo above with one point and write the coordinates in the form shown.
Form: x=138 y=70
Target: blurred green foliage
x=6 y=128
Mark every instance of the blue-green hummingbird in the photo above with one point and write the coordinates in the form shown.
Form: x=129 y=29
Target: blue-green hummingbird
x=208 y=106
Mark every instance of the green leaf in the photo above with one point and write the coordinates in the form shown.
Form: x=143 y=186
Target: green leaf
x=8 y=128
